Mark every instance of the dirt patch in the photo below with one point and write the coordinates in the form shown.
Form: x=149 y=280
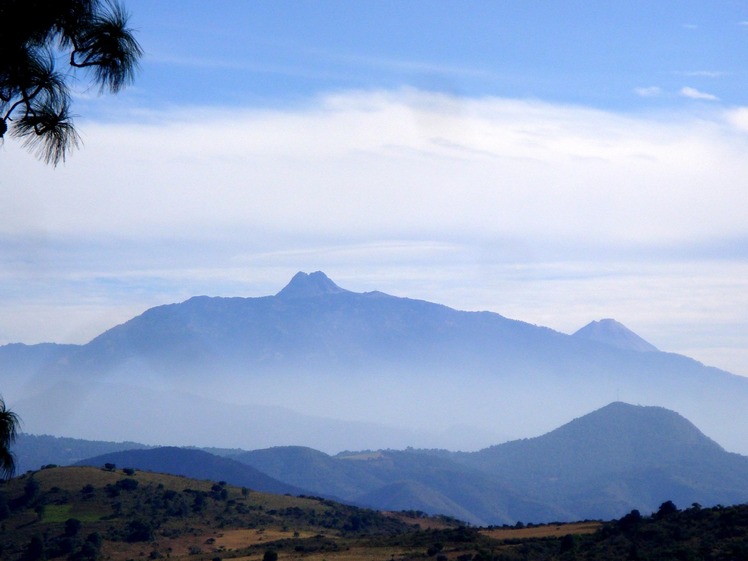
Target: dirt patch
x=237 y=539
x=545 y=531
x=425 y=523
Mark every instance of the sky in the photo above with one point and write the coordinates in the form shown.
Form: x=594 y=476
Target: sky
x=556 y=162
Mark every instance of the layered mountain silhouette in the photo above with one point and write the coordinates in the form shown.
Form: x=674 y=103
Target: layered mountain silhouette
x=599 y=466
x=195 y=464
x=321 y=366
x=602 y=465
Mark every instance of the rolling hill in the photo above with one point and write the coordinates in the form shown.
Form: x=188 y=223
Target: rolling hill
x=194 y=464
x=599 y=466
x=616 y=459
x=602 y=465
x=86 y=513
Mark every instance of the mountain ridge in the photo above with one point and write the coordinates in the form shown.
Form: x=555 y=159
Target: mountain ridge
x=194 y=464
x=324 y=351
x=601 y=465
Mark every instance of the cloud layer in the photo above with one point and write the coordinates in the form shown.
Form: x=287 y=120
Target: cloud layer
x=569 y=211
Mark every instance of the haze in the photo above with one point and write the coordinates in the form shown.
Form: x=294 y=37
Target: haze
x=546 y=161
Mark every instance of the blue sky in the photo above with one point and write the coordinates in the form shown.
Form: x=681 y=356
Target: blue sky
x=556 y=162
x=562 y=51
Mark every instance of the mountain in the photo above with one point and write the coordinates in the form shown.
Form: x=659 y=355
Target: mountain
x=195 y=464
x=305 y=285
x=318 y=365
x=618 y=458
x=398 y=480
x=34 y=451
x=610 y=332
x=602 y=465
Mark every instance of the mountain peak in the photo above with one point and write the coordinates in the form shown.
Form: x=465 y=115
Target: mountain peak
x=305 y=285
x=613 y=333
x=662 y=432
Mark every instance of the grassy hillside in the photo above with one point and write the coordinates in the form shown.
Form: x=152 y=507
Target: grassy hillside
x=125 y=514
x=87 y=514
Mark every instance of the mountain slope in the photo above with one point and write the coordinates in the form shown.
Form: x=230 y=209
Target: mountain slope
x=195 y=464
x=602 y=465
x=319 y=350
x=391 y=479
x=618 y=458
x=611 y=332
x=85 y=513
x=34 y=451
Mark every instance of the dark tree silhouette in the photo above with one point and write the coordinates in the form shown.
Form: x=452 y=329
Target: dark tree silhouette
x=34 y=96
x=9 y=422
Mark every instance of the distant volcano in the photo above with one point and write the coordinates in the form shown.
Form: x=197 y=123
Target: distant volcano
x=304 y=285
x=321 y=366
x=613 y=333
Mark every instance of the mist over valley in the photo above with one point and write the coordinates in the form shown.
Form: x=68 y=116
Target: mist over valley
x=320 y=366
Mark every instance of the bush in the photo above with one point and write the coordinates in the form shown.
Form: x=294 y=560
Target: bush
x=72 y=527
x=138 y=531
x=127 y=484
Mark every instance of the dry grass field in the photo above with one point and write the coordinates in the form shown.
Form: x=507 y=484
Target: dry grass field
x=543 y=531
x=185 y=519
x=122 y=515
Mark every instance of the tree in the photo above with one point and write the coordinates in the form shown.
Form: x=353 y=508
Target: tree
x=9 y=422
x=34 y=96
x=666 y=509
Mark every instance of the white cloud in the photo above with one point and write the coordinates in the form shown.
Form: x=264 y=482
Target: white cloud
x=693 y=93
x=701 y=73
x=530 y=209
x=367 y=163
x=738 y=118
x=650 y=91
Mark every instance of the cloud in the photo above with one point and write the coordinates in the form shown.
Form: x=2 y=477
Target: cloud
x=738 y=118
x=701 y=73
x=480 y=203
x=364 y=163
x=693 y=93
x=402 y=164
x=650 y=91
